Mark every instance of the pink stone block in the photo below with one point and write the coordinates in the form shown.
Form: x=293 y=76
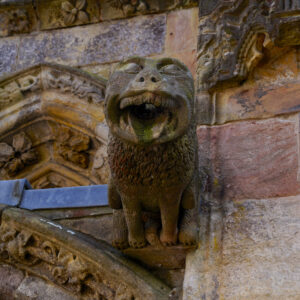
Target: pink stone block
x=251 y=159
x=182 y=29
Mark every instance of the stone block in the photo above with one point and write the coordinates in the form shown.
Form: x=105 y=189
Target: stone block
x=9 y=52
x=253 y=159
x=258 y=257
x=98 y=43
x=10 y=279
x=181 y=37
x=161 y=257
x=261 y=257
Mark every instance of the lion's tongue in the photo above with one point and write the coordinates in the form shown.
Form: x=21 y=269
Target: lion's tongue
x=147 y=130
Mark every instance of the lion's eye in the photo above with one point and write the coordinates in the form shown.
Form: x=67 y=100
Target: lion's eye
x=131 y=68
x=170 y=70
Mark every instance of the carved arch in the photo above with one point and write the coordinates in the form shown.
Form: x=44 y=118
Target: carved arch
x=51 y=126
x=78 y=264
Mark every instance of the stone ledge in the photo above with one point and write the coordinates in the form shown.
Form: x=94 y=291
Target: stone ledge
x=161 y=257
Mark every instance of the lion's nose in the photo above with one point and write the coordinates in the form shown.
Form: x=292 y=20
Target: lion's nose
x=147 y=78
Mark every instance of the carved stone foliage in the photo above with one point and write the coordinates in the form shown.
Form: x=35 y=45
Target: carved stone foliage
x=233 y=30
x=77 y=85
x=73 y=146
x=60 y=255
x=16 y=20
x=16 y=88
x=18 y=155
x=63 y=13
x=100 y=164
x=233 y=36
x=136 y=7
x=130 y=7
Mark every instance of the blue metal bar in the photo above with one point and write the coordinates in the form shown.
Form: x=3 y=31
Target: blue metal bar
x=11 y=191
x=19 y=193
x=69 y=197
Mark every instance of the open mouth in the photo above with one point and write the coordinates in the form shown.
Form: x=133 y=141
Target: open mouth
x=148 y=116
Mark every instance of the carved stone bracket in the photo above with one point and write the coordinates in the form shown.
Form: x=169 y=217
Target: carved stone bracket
x=84 y=267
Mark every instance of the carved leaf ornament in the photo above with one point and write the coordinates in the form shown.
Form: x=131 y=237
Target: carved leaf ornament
x=73 y=147
x=130 y=7
x=73 y=12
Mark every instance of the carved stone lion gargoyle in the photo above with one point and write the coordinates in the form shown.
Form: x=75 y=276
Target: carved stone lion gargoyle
x=152 y=153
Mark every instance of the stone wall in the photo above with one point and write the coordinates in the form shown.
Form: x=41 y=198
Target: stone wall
x=249 y=153
x=245 y=59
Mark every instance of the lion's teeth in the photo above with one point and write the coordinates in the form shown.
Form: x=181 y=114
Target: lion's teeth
x=122 y=123
x=157 y=102
x=124 y=103
x=139 y=101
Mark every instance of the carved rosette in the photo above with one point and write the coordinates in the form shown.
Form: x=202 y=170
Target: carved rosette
x=14 y=158
x=51 y=251
x=74 y=11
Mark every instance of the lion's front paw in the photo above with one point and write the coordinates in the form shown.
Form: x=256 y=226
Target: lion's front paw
x=188 y=235
x=137 y=242
x=120 y=243
x=168 y=239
